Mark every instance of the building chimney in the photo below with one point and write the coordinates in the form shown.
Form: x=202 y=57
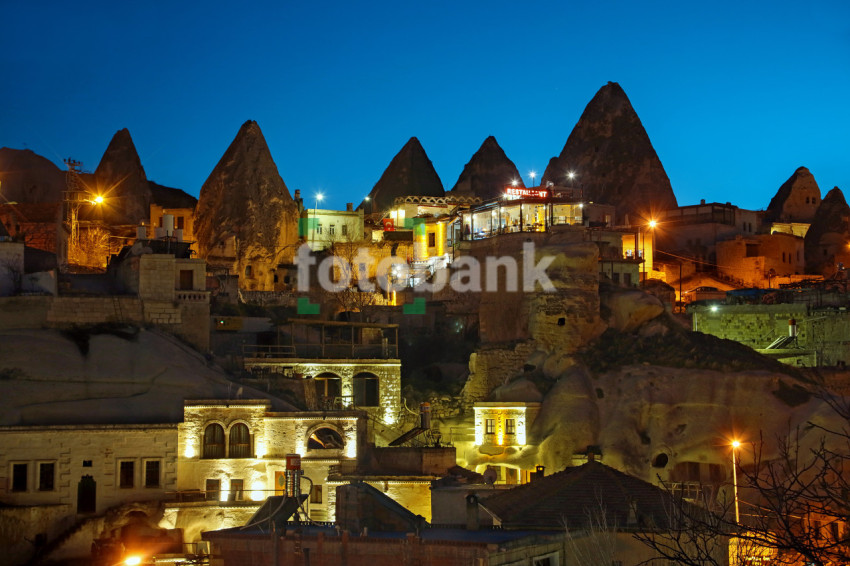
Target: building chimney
x=473 y=521
x=702 y=201
x=349 y=207
x=297 y=194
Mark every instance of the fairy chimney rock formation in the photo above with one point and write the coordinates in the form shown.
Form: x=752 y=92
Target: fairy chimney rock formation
x=245 y=207
x=614 y=161
x=826 y=240
x=410 y=173
x=796 y=200
x=26 y=176
x=487 y=173
x=121 y=179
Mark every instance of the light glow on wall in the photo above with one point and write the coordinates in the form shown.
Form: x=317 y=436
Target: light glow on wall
x=190 y=449
x=258 y=492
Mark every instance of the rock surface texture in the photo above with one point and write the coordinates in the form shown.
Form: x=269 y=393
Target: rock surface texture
x=826 y=240
x=410 y=173
x=614 y=161
x=245 y=202
x=796 y=200
x=26 y=176
x=121 y=179
x=487 y=173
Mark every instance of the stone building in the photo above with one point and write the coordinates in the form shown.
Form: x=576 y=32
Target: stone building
x=62 y=480
x=762 y=260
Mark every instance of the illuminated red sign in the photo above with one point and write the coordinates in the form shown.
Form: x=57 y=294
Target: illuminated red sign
x=520 y=192
x=389 y=224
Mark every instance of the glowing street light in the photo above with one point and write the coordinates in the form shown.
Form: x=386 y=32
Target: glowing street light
x=651 y=225
x=532 y=174
x=735 y=444
x=571 y=175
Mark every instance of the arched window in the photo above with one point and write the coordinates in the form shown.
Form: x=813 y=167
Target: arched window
x=214 y=441
x=325 y=439
x=240 y=441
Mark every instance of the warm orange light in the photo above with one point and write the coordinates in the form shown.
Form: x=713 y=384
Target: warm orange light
x=652 y=223
x=132 y=561
x=735 y=444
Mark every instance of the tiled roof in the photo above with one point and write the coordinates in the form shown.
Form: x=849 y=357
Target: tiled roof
x=575 y=497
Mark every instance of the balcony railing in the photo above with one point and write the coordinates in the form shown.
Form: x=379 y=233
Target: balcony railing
x=326 y=351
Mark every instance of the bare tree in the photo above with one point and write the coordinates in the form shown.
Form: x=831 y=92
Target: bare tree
x=793 y=506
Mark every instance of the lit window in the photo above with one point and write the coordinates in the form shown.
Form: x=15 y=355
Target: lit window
x=152 y=473
x=240 y=441
x=46 y=476
x=490 y=426
x=126 y=473
x=510 y=426
x=213 y=441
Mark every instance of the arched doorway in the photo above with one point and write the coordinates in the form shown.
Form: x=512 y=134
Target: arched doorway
x=366 y=390
x=329 y=390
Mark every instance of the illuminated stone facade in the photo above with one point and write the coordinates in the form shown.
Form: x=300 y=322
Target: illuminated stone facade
x=385 y=407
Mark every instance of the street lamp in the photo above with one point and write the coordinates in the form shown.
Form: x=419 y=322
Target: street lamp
x=532 y=174
x=367 y=198
x=735 y=445
x=651 y=225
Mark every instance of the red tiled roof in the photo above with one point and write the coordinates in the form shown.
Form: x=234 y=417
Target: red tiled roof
x=575 y=497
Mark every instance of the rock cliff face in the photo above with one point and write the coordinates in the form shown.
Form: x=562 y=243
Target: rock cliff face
x=614 y=161
x=796 y=200
x=28 y=177
x=121 y=179
x=245 y=203
x=826 y=240
x=410 y=173
x=487 y=173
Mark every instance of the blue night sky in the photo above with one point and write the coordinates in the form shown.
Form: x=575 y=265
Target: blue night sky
x=734 y=95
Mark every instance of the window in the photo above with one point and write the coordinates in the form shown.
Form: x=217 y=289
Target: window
x=366 y=392
x=432 y=240
x=87 y=463
x=510 y=426
x=181 y=222
x=240 y=441
x=214 y=441
x=126 y=471
x=19 y=477
x=152 y=473
x=316 y=494
x=490 y=426
x=212 y=489
x=186 y=279
x=236 y=489
x=318 y=228
x=345 y=229
x=248 y=271
x=331 y=230
x=46 y=476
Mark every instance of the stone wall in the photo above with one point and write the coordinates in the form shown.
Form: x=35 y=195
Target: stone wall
x=24 y=312
x=74 y=452
x=71 y=311
x=827 y=331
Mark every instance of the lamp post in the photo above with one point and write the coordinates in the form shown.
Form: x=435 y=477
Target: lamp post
x=368 y=199
x=735 y=445
x=651 y=225
x=532 y=174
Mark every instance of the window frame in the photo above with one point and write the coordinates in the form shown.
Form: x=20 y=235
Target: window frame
x=213 y=450
x=510 y=426
x=41 y=465
x=146 y=471
x=489 y=426
x=242 y=448
x=122 y=464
